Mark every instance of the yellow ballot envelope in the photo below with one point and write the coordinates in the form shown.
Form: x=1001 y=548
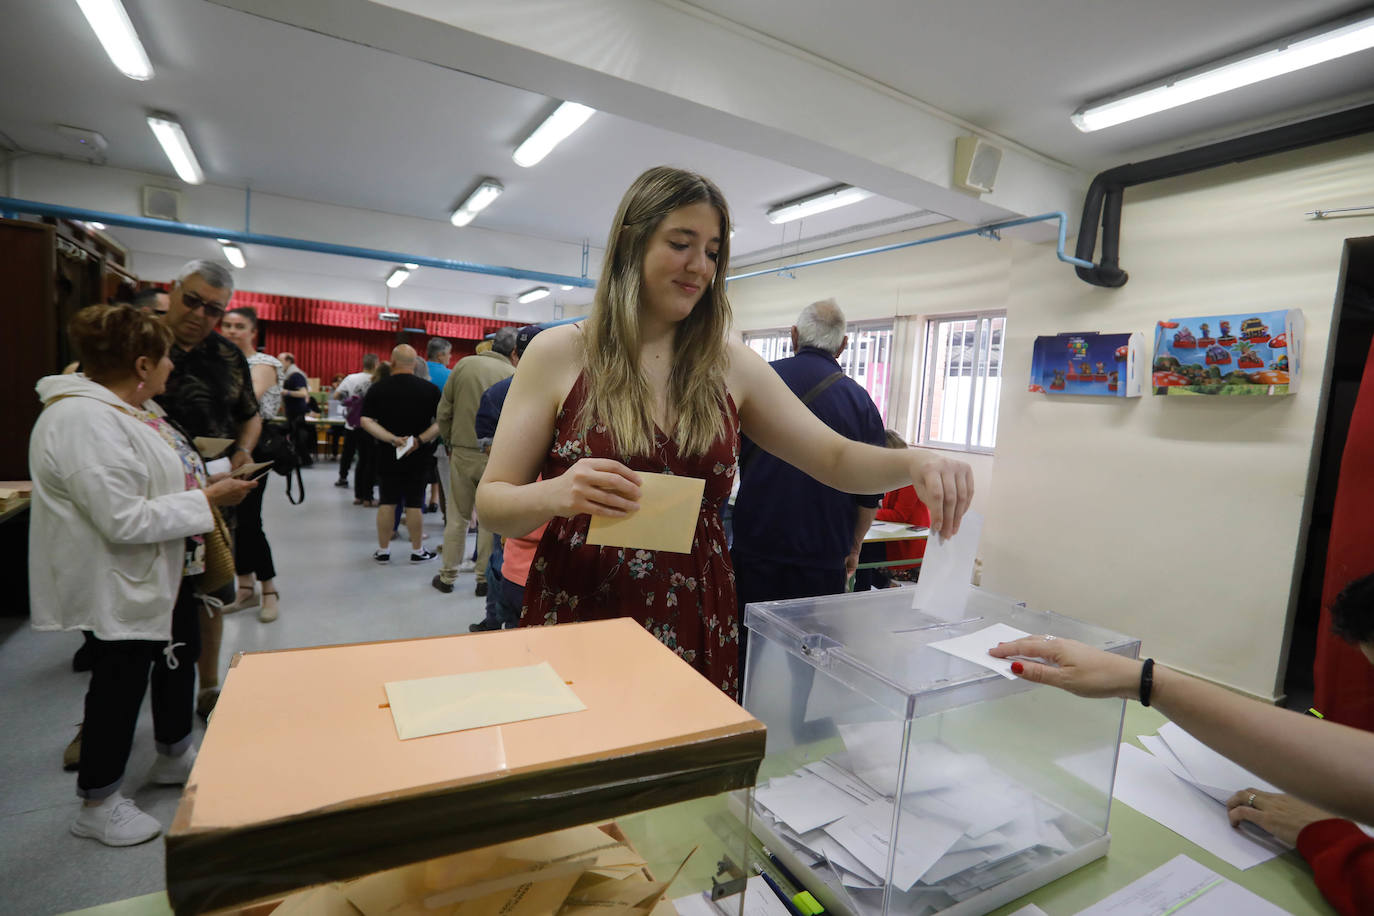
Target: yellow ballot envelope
x=666 y=520
x=211 y=446
x=456 y=702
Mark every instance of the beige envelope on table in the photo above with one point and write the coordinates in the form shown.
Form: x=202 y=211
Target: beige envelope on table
x=456 y=702
x=666 y=520
x=211 y=446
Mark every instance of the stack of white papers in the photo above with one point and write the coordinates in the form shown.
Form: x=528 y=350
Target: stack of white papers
x=963 y=825
x=1181 y=883
x=1183 y=784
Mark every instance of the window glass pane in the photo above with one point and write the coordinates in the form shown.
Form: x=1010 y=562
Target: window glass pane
x=963 y=379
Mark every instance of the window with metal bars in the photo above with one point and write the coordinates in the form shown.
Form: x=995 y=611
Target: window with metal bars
x=962 y=381
x=867 y=358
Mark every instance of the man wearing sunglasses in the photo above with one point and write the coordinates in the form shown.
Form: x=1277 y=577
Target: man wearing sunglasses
x=209 y=393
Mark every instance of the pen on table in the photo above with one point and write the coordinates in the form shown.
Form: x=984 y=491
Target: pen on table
x=786 y=901
x=1312 y=711
x=803 y=899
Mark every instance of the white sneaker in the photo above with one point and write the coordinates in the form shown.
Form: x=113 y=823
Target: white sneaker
x=467 y=566
x=116 y=821
x=172 y=771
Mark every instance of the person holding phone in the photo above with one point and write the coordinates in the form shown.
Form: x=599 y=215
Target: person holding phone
x=119 y=490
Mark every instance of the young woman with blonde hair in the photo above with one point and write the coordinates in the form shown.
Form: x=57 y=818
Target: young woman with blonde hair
x=650 y=383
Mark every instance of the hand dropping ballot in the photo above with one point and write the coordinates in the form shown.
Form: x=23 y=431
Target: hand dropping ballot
x=666 y=520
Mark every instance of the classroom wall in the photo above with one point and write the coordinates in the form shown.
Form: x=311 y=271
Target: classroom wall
x=1177 y=520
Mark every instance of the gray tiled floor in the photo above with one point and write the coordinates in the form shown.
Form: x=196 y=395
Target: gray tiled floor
x=332 y=592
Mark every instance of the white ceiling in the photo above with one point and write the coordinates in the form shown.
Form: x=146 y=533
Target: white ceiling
x=300 y=114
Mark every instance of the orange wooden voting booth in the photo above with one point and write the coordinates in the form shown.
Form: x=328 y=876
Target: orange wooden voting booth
x=302 y=780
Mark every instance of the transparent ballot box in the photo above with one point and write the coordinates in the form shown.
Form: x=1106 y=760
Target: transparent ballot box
x=323 y=787
x=902 y=779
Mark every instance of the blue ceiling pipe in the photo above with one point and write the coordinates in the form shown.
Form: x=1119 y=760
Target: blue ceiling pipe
x=989 y=230
x=13 y=205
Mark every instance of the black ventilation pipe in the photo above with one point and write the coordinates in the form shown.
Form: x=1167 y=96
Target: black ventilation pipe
x=1103 y=200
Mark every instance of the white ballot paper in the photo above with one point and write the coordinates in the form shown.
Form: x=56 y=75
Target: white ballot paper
x=1182 y=885
x=404 y=446
x=947 y=571
x=1146 y=785
x=1204 y=767
x=974 y=646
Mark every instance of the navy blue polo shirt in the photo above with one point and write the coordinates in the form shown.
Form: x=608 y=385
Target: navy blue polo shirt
x=782 y=514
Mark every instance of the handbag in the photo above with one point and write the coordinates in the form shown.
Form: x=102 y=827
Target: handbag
x=219 y=556
x=276 y=447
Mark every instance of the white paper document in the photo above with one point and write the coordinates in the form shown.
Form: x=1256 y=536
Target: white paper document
x=404 y=446
x=1214 y=774
x=974 y=646
x=1148 y=786
x=947 y=571
x=1183 y=886
x=805 y=801
x=920 y=843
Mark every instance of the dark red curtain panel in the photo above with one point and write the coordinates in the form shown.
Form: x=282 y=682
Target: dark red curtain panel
x=328 y=338
x=1344 y=679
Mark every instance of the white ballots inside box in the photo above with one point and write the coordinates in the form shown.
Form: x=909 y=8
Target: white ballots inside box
x=878 y=738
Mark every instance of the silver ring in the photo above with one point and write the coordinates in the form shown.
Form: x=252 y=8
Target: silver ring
x=1250 y=802
x=1048 y=637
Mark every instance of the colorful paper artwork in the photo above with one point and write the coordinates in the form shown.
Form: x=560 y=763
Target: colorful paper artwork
x=1088 y=363
x=1245 y=353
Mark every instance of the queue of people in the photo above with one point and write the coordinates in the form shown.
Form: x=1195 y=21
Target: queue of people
x=542 y=434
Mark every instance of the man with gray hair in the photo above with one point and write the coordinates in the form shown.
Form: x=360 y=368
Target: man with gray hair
x=466 y=459
x=209 y=393
x=794 y=537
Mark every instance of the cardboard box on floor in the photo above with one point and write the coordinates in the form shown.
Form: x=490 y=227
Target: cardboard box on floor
x=301 y=779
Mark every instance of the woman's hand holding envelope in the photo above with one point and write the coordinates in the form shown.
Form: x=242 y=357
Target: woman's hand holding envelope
x=597 y=486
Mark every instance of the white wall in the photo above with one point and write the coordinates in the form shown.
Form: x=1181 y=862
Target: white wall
x=1178 y=520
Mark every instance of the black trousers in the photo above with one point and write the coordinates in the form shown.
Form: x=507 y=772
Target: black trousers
x=350 y=447
x=252 y=553
x=121 y=671
x=366 y=479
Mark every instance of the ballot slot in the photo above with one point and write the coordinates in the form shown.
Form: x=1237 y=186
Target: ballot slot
x=899 y=778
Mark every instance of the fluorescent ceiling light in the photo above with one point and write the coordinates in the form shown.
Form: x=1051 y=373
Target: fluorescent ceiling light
x=397 y=277
x=842 y=196
x=411 y=267
x=111 y=25
x=567 y=118
x=565 y=287
x=477 y=201
x=233 y=253
x=532 y=295
x=99 y=227
x=168 y=131
x=1292 y=53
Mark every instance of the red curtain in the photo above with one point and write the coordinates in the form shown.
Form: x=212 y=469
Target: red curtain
x=1344 y=679
x=329 y=338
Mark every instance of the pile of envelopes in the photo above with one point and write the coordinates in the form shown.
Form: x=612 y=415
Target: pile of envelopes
x=965 y=827
x=577 y=872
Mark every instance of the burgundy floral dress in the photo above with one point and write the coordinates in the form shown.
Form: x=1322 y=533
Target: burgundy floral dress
x=687 y=600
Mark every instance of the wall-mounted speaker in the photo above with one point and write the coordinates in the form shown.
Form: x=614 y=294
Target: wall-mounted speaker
x=161 y=203
x=500 y=308
x=975 y=164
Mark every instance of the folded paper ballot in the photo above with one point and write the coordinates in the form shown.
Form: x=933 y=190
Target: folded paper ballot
x=404 y=446
x=455 y=702
x=250 y=470
x=666 y=520
x=947 y=571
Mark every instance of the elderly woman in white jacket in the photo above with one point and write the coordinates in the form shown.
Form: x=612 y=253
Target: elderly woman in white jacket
x=120 y=509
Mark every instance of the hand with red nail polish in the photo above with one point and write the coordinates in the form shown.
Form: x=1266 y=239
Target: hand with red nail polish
x=1074 y=667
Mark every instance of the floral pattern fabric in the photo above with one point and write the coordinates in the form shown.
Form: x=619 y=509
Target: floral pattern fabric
x=687 y=600
x=196 y=479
